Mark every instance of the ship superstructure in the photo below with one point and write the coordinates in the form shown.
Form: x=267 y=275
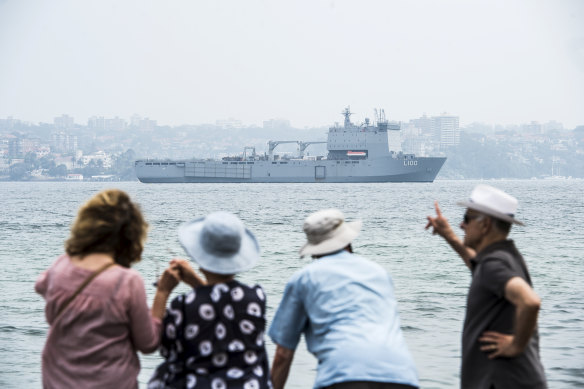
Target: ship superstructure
x=356 y=153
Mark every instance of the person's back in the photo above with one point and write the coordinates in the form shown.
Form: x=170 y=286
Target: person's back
x=89 y=344
x=346 y=308
x=95 y=304
x=354 y=329
x=213 y=336
x=220 y=331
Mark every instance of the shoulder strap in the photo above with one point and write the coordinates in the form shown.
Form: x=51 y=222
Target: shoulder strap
x=81 y=287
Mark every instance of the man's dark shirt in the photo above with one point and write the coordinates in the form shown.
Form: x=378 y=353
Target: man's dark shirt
x=488 y=310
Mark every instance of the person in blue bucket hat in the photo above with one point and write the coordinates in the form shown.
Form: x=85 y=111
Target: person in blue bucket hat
x=213 y=336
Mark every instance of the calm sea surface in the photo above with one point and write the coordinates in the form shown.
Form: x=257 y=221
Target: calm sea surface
x=430 y=281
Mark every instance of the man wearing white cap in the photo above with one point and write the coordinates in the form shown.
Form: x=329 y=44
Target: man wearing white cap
x=500 y=343
x=346 y=308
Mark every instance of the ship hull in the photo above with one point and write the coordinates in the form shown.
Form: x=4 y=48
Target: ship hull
x=387 y=169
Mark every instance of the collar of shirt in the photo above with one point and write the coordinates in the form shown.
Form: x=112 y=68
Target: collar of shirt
x=503 y=244
x=337 y=254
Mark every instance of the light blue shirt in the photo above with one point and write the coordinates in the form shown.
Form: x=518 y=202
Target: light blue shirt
x=345 y=306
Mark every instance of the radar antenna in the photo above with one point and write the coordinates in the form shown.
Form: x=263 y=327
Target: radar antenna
x=380 y=115
x=347 y=114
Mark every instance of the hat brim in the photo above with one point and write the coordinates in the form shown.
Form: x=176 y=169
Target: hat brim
x=189 y=236
x=490 y=212
x=340 y=240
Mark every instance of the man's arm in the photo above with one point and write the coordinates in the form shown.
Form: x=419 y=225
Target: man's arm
x=527 y=304
x=441 y=227
x=281 y=366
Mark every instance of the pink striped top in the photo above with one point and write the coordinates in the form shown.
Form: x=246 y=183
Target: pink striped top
x=94 y=342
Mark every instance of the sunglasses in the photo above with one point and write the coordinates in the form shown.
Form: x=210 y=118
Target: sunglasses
x=467 y=218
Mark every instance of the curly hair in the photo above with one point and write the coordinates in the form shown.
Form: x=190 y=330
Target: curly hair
x=109 y=223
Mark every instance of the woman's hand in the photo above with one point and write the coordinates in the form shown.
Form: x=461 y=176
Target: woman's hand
x=166 y=283
x=169 y=279
x=186 y=272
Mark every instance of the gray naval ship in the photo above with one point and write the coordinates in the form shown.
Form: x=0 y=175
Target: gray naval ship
x=356 y=153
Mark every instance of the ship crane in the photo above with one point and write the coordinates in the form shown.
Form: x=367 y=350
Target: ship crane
x=272 y=145
x=380 y=115
x=253 y=153
x=303 y=145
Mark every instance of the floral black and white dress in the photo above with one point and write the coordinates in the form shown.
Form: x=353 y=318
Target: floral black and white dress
x=213 y=337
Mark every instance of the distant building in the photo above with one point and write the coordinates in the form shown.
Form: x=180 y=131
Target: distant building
x=9 y=123
x=42 y=151
x=4 y=164
x=552 y=125
x=424 y=123
x=411 y=139
x=446 y=130
x=62 y=142
x=74 y=177
x=15 y=148
x=4 y=147
x=102 y=124
x=276 y=123
x=106 y=159
x=64 y=122
x=115 y=124
x=30 y=145
x=38 y=173
x=96 y=123
x=434 y=132
x=135 y=120
x=533 y=128
x=67 y=161
x=19 y=146
x=147 y=124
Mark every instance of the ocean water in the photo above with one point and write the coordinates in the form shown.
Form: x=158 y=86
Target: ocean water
x=430 y=280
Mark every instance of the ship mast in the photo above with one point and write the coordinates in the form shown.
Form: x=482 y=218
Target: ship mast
x=380 y=115
x=347 y=114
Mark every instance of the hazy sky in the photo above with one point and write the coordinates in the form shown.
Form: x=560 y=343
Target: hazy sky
x=494 y=61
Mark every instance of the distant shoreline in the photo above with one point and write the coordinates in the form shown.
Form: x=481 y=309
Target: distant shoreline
x=59 y=179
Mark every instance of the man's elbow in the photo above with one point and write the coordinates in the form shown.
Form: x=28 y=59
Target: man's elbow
x=148 y=348
x=283 y=354
x=147 y=345
x=533 y=303
x=522 y=295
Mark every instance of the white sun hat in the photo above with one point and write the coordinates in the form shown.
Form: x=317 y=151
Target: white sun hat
x=327 y=232
x=493 y=202
x=220 y=243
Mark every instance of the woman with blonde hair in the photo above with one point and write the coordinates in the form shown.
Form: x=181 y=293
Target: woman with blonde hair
x=95 y=304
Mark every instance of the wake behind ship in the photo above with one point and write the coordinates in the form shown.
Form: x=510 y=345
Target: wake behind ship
x=356 y=153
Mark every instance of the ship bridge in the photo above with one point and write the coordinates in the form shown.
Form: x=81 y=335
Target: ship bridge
x=363 y=141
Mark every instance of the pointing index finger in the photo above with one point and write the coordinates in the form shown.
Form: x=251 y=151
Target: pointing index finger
x=438 y=212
